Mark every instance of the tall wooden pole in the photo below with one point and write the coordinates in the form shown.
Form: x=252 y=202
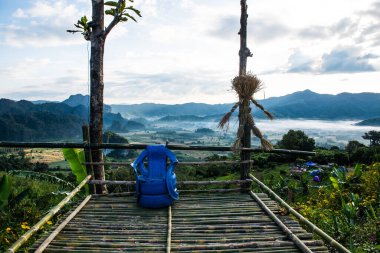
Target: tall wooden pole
x=97 y=87
x=244 y=53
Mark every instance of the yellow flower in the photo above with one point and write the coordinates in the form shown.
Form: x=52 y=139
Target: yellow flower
x=6 y=240
x=8 y=229
x=24 y=225
x=49 y=222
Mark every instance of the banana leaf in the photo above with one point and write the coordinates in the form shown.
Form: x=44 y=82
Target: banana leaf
x=5 y=191
x=75 y=157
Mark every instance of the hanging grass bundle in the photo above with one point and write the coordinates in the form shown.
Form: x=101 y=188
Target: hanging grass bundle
x=246 y=86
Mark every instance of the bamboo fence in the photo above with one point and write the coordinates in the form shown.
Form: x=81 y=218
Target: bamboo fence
x=14 y=247
x=143 y=146
x=302 y=219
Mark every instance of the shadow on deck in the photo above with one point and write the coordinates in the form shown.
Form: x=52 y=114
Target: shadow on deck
x=222 y=222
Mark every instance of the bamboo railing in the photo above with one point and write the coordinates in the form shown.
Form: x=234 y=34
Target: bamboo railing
x=224 y=182
x=302 y=219
x=143 y=146
x=14 y=247
x=61 y=226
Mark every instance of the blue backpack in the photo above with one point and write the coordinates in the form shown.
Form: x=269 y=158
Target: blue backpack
x=156 y=185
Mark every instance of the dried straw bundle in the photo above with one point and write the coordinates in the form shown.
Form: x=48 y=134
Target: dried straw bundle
x=246 y=86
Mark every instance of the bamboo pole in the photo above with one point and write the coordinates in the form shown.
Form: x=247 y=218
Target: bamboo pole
x=302 y=219
x=51 y=237
x=47 y=217
x=212 y=190
x=142 y=146
x=110 y=182
x=177 y=165
x=279 y=223
x=169 y=236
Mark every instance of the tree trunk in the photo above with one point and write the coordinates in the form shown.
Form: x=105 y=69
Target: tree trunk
x=243 y=38
x=243 y=54
x=97 y=87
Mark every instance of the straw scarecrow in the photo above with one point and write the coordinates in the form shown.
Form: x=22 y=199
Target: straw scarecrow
x=246 y=86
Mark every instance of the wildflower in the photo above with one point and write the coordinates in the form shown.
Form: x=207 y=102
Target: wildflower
x=49 y=222
x=24 y=225
x=8 y=229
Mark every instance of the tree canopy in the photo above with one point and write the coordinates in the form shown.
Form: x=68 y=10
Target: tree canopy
x=297 y=140
x=373 y=137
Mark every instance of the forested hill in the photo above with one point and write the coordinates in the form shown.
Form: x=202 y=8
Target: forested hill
x=26 y=121
x=304 y=104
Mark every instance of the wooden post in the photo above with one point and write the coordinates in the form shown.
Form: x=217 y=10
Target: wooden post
x=97 y=86
x=88 y=157
x=243 y=54
x=244 y=51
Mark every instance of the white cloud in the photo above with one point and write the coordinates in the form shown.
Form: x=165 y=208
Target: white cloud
x=19 y=13
x=190 y=48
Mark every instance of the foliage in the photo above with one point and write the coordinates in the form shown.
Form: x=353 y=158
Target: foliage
x=75 y=157
x=345 y=204
x=331 y=156
x=5 y=191
x=373 y=137
x=296 y=140
x=111 y=137
x=352 y=146
x=118 y=10
x=28 y=202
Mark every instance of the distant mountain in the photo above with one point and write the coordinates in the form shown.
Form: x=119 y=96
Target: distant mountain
x=79 y=99
x=37 y=102
x=369 y=122
x=161 y=110
x=303 y=104
x=311 y=105
x=26 y=121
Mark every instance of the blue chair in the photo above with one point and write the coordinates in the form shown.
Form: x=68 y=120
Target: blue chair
x=156 y=185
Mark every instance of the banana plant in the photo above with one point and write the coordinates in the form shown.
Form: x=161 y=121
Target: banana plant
x=75 y=157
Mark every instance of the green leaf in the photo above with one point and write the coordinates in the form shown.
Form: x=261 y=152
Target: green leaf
x=358 y=171
x=83 y=20
x=335 y=183
x=111 y=3
x=123 y=19
x=129 y=16
x=134 y=10
x=75 y=157
x=5 y=191
x=122 y=7
x=110 y=12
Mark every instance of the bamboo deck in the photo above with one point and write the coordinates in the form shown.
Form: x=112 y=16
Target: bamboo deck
x=221 y=222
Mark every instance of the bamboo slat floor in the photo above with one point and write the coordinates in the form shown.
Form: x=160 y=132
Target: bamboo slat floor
x=220 y=222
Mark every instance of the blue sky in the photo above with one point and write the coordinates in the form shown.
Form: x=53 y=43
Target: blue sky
x=186 y=50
